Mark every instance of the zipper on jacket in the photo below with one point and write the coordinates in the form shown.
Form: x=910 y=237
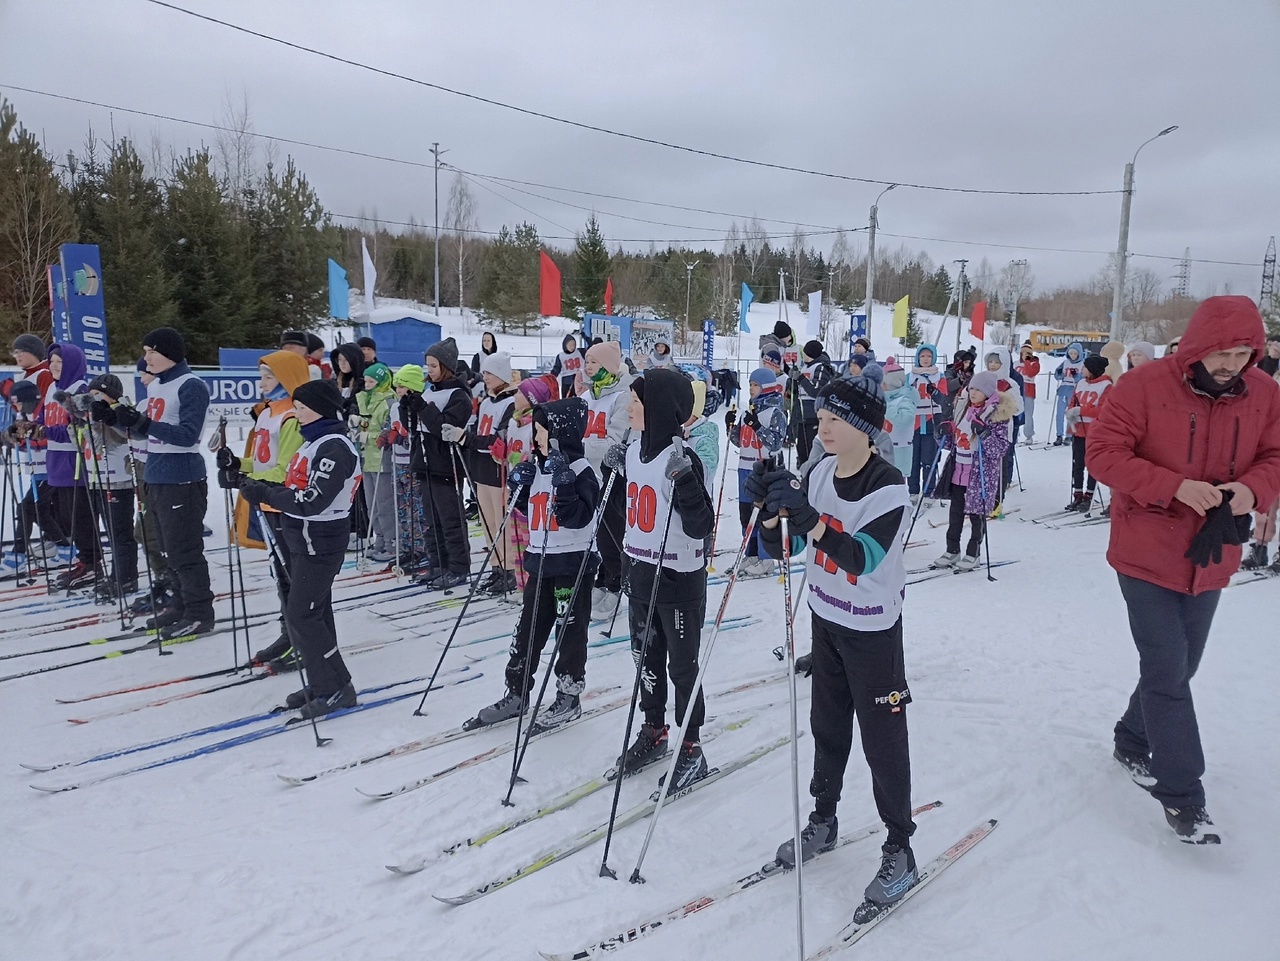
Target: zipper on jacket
x=1235 y=445
x=1191 y=441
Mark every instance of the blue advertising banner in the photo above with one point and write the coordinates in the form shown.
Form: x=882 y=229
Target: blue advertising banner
x=57 y=305
x=227 y=388
x=86 y=311
x=708 y=343
x=857 y=328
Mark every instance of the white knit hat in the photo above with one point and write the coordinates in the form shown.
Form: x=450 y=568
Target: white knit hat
x=498 y=364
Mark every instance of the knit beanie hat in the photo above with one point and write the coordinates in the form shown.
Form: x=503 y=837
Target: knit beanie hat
x=166 y=342
x=295 y=337
x=1146 y=349
x=771 y=355
x=31 y=344
x=608 y=354
x=25 y=396
x=498 y=364
x=380 y=373
x=782 y=330
x=536 y=390
x=410 y=376
x=988 y=384
x=891 y=365
x=875 y=374
x=109 y=384
x=314 y=343
x=321 y=396
x=446 y=354
x=764 y=377
x=813 y=349
x=1096 y=365
x=366 y=342
x=858 y=401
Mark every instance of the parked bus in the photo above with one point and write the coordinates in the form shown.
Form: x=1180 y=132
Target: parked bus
x=1055 y=342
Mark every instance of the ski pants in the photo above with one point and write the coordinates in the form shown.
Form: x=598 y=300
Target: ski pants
x=116 y=506
x=955 y=525
x=37 y=507
x=675 y=638
x=447 y=544
x=609 y=536
x=178 y=513
x=280 y=568
x=1029 y=425
x=493 y=507
x=1170 y=629
x=1061 y=400
x=924 y=451
x=542 y=609
x=144 y=529
x=1077 y=467
x=861 y=674
x=380 y=502
x=804 y=440
x=411 y=515
x=308 y=612
x=72 y=506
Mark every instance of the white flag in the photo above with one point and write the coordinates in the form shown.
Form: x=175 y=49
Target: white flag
x=370 y=277
x=815 y=315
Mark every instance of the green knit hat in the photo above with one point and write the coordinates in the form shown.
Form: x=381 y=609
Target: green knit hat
x=411 y=376
x=381 y=375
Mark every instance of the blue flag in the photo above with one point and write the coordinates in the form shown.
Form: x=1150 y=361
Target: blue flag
x=339 y=292
x=747 y=298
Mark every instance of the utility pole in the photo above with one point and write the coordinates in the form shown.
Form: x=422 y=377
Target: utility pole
x=961 y=283
x=688 y=289
x=872 y=224
x=1012 y=296
x=1266 y=299
x=1122 y=249
x=437 y=153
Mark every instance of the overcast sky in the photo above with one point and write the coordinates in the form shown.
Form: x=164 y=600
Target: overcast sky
x=991 y=94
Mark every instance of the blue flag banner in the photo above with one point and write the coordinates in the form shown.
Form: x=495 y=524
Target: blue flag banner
x=57 y=305
x=747 y=298
x=339 y=290
x=86 y=310
x=708 y=343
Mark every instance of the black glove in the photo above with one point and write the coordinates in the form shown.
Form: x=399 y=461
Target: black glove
x=520 y=476
x=730 y=418
x=226 y=460
x=785 y=495
x=557 y=465
x=412 y=400
x=251 y=490
x=751 y=420
x=616 y=458
x=100 y=412
x=129 y=418
x=229 y=478
x=1219 y=528
x=756 y=486
x=931 y=388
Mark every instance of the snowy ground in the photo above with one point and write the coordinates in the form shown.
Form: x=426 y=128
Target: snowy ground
x=1016 y=685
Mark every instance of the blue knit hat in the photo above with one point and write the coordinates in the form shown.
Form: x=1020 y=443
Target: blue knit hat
x=764 y=377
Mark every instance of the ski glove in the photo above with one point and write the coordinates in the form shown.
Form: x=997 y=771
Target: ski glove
x=679 y=463
x=229 y=477
x=130 y=418
x=730 y=418
x=412 y=401
x=751 y=420
x=756 y=486
x=521 y=476
x=785 y=495
x=616 y=459
x=454 y=435
x=226 y=460
x=557 y=465
x=1220 y=527
x=498 y=449
x=102 y=413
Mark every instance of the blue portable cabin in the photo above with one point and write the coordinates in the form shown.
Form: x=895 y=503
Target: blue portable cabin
x=401 y=333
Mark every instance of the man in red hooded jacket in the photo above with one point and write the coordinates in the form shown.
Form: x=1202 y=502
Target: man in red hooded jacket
x=1175 y=439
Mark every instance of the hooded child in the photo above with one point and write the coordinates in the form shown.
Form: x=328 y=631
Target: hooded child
x=373 y=412
x=1028 y=366
x=669 y=516
x=488 y=345
x=411 y=502
x=759 y=437
x=1086 y=404
x=568 y=366
x=900 y=413
x=1067 y=374
x=559 y=492
x=854 y=510
x=65 y=473
x=321 y=483
x=609 y=385
x=930 y=386
x=348 y=373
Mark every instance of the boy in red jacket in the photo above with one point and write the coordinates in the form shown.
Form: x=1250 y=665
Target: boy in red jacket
x=1083 y=410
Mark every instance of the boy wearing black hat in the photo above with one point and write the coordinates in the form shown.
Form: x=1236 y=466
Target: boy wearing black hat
x=106 y=464
x=320 y=369
x=666 y=498
x=854 y=509
x=172 y=423
x=815 y=373
x=319 y=488
x=1082 y=410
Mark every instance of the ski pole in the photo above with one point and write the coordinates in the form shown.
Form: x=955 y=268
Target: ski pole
x=104 y=498
x=724 y=474
x=933 y=470
x=138 y=472
x=219 y=437
x=646 y=636
x=697 y=688
x=982 y=516
x=417 y=711
x=790 y=645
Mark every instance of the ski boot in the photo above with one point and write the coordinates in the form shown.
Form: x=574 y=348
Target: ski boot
x=947 y=560
x=338 y=701
x=565 y=709
x=818 y=836
x=691 y=766
x=1192 y=824
x=649 y=746
x=897 y=876
x=1255 y=559
x=1138 y=766
x=509 y=706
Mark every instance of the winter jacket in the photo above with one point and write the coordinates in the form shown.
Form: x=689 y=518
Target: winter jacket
x=607 y=422
x=1030 y=370
x=1088 y=400
x=62 y=457
x=446 y=403
x=704 y=438
x=374 y=407
x=492 y=418
x=1157 y=429
x=1071 y=369
x=900 y=412
x=660 y=360
x=813 y=377
x=980 y=439
x=930 y=389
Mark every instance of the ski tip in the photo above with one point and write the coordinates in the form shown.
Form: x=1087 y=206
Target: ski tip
x=43 y=789
x=450 y=899
x=408 y=868
x=37 y=768
x=375 y=795
x=291 y=780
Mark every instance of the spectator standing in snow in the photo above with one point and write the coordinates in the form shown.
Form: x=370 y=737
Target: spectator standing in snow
x=1189 y=448
x=1028 y=367
x=569 y=365
x=1067 y=374
x=1142 y=352
x=1269 y=364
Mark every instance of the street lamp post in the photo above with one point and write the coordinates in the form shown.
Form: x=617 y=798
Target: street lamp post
x=688 y=289
x=1122 y=249
x=871 y=254
x=437 y=153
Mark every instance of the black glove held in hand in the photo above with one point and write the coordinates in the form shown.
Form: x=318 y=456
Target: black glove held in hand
x=129 y=418
x=229 y=478
x=756 y=486
x=1219 y=528
x=100 y=412
x=785 y=495
x=520 y=476
x=226 y=460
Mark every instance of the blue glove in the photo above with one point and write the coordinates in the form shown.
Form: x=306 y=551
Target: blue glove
x=557 y=465
x=520 y=476
x=785 y=495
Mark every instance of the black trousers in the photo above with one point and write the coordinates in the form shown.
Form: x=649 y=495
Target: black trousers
x=955 y=525
x=308 y=612
x=177 y=511
x=447 y=543
x=673 y=649
x=144 y=530
x=38 y=509
x=280 y=566
x=1170 y=630
x=71 y=506
x=808 y=432
x=861 y=674
x=1077 y=466
x=116 y=506
x=535 y=626
x=609 y=537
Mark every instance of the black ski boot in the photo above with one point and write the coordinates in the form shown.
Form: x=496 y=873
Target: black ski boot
x=566 y=708
x=509 y=706
x=817 y=837
x=690 y=766
x=286 y=663
x=277 y=648
x=650 y=745
x=1077 y=499
x=338 y=701
x=1138 y=766
x=186 y=628
x=1255 y=559
x=1192 y=824
x=897 y=876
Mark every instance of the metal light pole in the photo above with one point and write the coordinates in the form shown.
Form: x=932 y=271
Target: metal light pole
x=437 y=153
x=962 y=284
x=1122 y=249
x=871 y=254
x=688 y=288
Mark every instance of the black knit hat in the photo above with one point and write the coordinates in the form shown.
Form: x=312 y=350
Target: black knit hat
x=322 y=396
x=366 y=342
x=446 y=354
x=31 y=343
x=109 y=384
x=858 y=401
x=813 y=349
x=314 y=343
x=782 y=330
x=1096 y=365
x=295 y=337
x=166 y=342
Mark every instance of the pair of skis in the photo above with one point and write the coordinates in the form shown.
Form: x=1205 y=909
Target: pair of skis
x=933 y=573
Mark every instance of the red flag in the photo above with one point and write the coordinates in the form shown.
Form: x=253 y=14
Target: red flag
x=608 y=296
x=978 y=320
x=549 y=298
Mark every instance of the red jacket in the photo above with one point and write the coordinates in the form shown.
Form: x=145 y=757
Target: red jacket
x=1030 y=370
x=1156 y=430
x=1090 y=395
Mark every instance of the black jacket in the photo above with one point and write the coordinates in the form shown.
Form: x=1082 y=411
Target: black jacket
x=432 y=455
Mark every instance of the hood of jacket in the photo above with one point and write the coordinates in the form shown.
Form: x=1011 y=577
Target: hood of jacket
x=292 y=370
x=932 y=348
x=1220 y=323
x=355 y=358
x=661 y=360
x=1005 y=366
x=667 y=396
x=1080 y=354
x=566 y=422
x=73 y=367
x=564 y=344
x=494 y=338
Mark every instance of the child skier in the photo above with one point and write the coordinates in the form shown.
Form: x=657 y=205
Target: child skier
x=106 y=463
x=978 y=438
x=373 y=410
x=411 y=505
x=1029 y=367
x=1067 y=375
x=702 y=433
x=666 y=497
x=569 y=365
x=320 y=485
x=66 y=478
x=559 y=491
x=607 y=422
x=854 y=510
x=758 y=438
x=1086 y=402
x=930 y=386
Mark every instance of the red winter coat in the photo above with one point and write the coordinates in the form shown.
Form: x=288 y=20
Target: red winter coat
x=1155 y=431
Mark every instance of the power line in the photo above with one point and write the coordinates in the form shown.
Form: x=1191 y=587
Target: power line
x=636 y=138
x=1061 y=250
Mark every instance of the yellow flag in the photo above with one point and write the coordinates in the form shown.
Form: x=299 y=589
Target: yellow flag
x=900 y=317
